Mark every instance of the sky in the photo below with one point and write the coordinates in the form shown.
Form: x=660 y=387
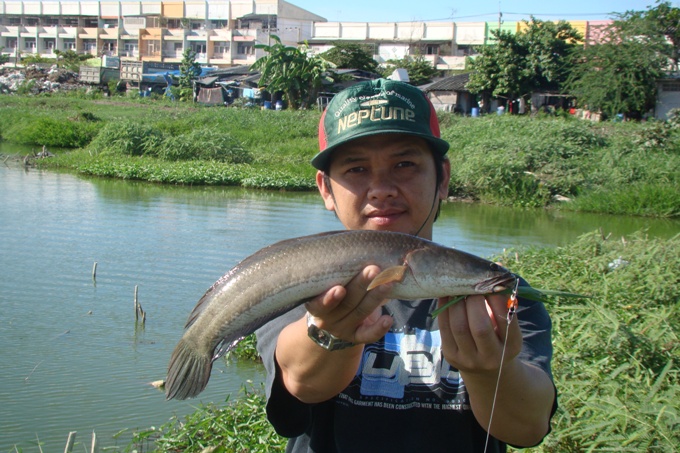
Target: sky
x=469 y=10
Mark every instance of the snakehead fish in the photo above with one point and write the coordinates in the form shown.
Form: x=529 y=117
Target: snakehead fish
x=281 y=276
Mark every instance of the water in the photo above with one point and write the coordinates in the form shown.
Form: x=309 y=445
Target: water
x=72 y=357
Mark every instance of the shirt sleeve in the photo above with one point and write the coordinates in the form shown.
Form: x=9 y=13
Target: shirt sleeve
x=289 y=416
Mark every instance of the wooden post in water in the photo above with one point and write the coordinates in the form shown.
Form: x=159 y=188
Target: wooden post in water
x=94 y=272
x=69 y=443
x=139 y=312
x=95 y=447
x=136 y=304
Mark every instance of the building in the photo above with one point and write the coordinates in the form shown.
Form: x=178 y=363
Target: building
x=221 y=32
x=446 y=45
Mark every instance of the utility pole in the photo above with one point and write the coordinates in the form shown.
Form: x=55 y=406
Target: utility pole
x=500 y=16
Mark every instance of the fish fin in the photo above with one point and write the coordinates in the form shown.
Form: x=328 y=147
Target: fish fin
x=389 y=275
x=188 y=373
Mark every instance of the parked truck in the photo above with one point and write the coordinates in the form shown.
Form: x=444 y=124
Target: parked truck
x=132 y=71
x=95 y=75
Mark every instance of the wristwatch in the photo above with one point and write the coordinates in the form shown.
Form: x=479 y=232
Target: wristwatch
x=325 y=339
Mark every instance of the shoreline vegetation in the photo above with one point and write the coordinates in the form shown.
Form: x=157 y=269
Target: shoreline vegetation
x=616 y=354
x=559 y=162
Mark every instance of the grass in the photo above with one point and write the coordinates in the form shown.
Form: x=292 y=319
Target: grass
x=616 y=355
x=618 y=168
x=239 y=426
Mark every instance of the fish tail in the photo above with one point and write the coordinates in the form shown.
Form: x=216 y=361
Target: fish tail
x=188 y=372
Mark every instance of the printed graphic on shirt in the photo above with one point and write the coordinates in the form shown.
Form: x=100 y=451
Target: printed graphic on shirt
x=407 y=370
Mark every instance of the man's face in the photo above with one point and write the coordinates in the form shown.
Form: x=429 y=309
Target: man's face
x=385 y=182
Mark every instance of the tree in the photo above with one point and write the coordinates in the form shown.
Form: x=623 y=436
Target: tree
x=292 y=71
x=351 y=56
x=420 y=71
x=4 y=58
x=189 y=70
x=619 y=74
x=537 y=58
x=662 y=20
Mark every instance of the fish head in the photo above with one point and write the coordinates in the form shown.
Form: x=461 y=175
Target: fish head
x=456 y=273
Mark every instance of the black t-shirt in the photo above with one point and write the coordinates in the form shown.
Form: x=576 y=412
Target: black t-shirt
x=405 y=396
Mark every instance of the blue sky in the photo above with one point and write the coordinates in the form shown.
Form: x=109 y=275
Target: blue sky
x=468 y=10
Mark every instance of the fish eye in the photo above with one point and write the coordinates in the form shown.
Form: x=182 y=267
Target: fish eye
x=495 y=267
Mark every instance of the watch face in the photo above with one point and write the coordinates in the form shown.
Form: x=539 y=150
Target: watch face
x=325 y=339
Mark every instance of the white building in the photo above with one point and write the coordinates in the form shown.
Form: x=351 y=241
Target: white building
x=221 y=32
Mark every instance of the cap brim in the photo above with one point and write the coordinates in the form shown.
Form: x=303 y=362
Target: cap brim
x=322 y=160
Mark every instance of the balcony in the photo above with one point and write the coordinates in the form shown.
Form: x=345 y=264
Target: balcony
x=174 y=34
x=88 y=33
x=28 y=32
x=129 y=53
x=108 y=33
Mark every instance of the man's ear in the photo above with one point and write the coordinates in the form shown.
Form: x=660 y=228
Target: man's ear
x=446 y=177
x=323 y=183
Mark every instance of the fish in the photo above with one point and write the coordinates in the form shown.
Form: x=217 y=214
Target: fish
x=281 y=276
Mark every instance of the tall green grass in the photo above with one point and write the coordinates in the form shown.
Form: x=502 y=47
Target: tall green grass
x=621 y=168
x=617 y=355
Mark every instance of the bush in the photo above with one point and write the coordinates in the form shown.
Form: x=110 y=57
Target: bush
x=127 y=138
x=204 y=144
x=72 y=132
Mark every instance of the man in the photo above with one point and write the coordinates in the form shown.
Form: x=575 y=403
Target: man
x=387 y=376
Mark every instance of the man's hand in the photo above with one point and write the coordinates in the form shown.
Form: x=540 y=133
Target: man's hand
x=351 y=313
x=473 y=333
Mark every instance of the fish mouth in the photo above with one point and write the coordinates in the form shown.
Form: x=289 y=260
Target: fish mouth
x=497 y=284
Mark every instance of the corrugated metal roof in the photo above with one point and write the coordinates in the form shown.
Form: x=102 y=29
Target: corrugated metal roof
x=453 y=83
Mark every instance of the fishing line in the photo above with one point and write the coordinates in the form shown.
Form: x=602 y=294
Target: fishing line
x=512 y=309
x=434 y=201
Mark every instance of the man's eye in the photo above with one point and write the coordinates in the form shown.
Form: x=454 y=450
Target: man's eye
x=405 y=164
x=355 y=169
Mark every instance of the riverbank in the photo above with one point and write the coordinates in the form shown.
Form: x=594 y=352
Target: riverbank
x=558 y=162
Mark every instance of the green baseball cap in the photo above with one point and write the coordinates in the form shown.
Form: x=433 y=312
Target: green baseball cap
x=378 y=106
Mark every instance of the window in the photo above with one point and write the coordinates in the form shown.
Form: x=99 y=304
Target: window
x=431 y=50
x=49 y=45
x=221 y=48
x=109 y=47
x=135 y=22
x=245 y=49
x=198 y=48
x=219 y=23
x=69 y=44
